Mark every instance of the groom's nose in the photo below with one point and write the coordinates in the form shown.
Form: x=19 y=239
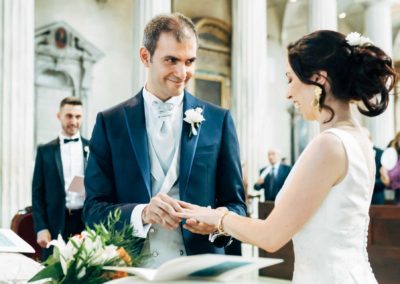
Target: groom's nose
x=180 y=71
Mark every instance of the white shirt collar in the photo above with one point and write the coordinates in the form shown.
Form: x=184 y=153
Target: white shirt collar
x=276 y=166
x=149 y=98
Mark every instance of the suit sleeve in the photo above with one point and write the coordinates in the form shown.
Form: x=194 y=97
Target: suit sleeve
x=262 y=185
x=100 y=181
x=38 y=193
x=230 y=192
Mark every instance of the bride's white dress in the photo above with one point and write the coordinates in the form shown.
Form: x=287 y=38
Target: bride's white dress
x=331 y=247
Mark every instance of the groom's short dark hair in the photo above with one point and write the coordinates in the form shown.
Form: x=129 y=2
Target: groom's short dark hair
x=176 y=24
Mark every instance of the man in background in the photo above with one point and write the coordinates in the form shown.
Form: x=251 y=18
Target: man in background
x=55 y=209
x=272 y=177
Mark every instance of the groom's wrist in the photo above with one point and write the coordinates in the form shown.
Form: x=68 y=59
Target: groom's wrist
x=144 y=213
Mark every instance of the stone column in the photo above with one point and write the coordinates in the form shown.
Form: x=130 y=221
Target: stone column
x=249 y=82
x=16 y=106
x=322 y=15
x=144 y=11
x=378 y=27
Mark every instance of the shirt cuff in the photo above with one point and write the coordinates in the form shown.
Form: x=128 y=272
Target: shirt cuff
x=139 y=230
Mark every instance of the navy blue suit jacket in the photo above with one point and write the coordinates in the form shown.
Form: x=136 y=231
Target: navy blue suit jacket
x=271 y=192
x=48 y=192
x=118 y=171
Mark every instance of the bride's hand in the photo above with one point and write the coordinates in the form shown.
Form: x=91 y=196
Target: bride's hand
x=200 y=214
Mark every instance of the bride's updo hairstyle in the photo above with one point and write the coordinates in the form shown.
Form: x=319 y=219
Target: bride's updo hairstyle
x=357 y=70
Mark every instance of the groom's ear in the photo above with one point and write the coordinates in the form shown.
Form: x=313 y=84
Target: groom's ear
x=145 y=56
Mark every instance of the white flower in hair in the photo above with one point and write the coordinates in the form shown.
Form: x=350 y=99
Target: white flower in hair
x=356 y=39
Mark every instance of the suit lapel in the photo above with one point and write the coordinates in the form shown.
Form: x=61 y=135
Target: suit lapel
x=57 y=157
x=188 y=145
x=85 y=143
x=136 y=123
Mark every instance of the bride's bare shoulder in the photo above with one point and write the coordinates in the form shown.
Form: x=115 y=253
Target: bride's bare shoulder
x=327 y=145
x=326 y=156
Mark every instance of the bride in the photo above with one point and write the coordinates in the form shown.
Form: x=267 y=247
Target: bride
x=324 y=204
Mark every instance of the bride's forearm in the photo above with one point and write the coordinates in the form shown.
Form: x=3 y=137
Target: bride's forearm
x=253 y=231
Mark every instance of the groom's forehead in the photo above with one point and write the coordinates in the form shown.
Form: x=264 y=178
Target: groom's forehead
x=169 y=45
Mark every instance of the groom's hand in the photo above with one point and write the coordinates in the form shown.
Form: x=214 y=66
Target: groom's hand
x=160 y=211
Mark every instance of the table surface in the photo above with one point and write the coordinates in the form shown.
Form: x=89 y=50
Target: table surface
x=254 y=279
x=17 y=268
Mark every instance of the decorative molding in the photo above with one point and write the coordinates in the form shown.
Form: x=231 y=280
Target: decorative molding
x=214 y=34
x=61 y=49
x=49 y=39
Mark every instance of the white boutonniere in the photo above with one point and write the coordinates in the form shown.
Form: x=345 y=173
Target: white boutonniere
x=356 y=39
x=86 y=151
x=194 y=118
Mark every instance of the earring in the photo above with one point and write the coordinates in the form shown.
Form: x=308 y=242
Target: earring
x=317 y=97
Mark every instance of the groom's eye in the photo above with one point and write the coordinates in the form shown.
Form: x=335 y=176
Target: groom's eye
x=171 y=60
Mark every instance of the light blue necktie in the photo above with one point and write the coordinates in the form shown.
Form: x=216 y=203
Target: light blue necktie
x=164 y=141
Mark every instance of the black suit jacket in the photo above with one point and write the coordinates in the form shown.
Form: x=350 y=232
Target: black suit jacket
x=48 y=193
x=271 y=192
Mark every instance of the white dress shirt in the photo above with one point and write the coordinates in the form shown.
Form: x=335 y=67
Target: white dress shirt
x=151 y=117
x=73 y=165
x=266 y=171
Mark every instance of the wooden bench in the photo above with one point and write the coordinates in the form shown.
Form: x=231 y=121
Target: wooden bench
x=383 y=245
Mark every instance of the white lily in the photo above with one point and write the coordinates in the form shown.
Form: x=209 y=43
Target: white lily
x=66 y=252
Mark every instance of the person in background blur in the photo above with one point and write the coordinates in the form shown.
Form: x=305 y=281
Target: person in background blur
x=391 y=178
x=272 y=177
x=55 y=209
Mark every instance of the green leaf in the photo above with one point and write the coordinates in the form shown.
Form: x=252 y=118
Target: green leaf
x=53 y=271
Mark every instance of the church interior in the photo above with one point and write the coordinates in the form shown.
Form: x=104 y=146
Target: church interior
x=90 y=49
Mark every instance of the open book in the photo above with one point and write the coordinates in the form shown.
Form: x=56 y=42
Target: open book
x=11 y=242
x=210 y=266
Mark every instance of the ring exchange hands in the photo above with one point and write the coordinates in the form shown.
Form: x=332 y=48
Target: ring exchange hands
x=168 y=213
x=162 y=210
x=200 y=220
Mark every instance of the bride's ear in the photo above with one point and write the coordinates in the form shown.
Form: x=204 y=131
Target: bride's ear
x=320 y=77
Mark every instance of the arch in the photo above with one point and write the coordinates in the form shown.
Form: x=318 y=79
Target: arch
x=212 y=78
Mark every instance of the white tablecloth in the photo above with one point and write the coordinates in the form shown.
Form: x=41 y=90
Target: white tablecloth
x=246 y=279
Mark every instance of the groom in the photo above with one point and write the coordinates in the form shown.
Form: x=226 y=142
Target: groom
x=144 y=156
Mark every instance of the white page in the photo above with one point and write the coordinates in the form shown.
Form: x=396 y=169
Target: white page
x=77 y=185
x=11 y=242
x=205 y=266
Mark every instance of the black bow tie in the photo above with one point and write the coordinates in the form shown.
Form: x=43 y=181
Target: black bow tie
x=66 y=140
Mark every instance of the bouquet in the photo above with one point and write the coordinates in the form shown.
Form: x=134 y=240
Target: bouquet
x=82 y=258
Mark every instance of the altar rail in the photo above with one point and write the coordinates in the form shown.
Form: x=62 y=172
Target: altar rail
x=383 y=245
